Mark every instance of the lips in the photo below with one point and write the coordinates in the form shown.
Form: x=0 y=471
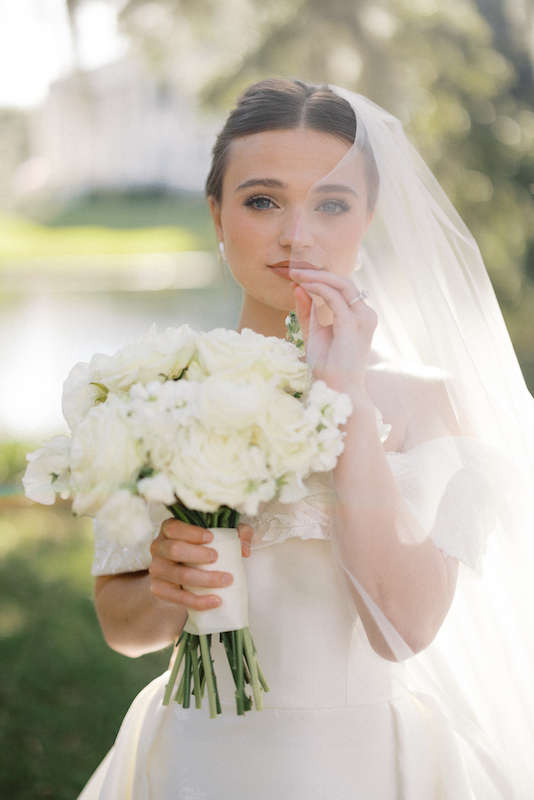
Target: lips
x=282 y=267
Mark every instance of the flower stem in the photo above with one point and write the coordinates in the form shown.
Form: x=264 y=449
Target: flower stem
x=196 y=674
x=182 y=641
x=208 y=672
x=253 y=669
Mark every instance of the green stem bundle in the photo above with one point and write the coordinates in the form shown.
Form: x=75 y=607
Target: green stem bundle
x=194 y=653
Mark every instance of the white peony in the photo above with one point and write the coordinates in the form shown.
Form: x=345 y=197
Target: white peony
x=105 y=455
x=125 y=518
x=48 y=471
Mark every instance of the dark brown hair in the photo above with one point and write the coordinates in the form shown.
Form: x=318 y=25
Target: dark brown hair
x=279 y=104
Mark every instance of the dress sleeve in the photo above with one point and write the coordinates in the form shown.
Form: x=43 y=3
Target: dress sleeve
x=454 y=488
x=111 y=558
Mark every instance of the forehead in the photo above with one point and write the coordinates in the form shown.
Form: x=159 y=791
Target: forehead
x=299 y=157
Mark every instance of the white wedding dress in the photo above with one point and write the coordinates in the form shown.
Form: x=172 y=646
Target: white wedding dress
x=339 y=721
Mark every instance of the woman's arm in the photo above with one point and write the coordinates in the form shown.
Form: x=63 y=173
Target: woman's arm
x=141 y=612
x=381 y=544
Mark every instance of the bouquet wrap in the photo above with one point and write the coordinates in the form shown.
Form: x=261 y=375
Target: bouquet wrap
x=232 y=614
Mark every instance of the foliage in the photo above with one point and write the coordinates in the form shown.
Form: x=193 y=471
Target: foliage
x=23 y=239
x=63 y=692
x=432 y=63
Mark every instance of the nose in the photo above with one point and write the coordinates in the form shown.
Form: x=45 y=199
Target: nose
x=296 y=231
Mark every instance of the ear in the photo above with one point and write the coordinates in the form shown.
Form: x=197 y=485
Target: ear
x=215 y=211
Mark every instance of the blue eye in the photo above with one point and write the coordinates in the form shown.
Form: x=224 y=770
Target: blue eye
x=333 y=207
x=260 y=202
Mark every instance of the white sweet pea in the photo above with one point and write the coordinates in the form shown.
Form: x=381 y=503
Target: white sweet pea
x=48 y=471
x=125 y=519
x=157 y=488
x=105 y=455
x=79 y=394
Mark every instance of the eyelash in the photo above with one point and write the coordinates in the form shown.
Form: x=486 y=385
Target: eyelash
x=340 y=205
x=252 y=200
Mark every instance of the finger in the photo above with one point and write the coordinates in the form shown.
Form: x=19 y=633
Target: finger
x=176 y=529
x=333 y=297
x=187 y=575
x=179 y=551
x=306 y=277
x=303 y=309
x=245 y=534
x=171 y=593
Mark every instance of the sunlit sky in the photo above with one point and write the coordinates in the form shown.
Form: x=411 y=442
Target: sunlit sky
x=36 y=46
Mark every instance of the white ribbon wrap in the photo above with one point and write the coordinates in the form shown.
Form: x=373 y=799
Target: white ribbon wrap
x=232 y=614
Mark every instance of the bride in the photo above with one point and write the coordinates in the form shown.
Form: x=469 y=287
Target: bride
x=389 y=606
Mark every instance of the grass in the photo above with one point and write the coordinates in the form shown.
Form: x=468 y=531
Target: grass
x=108 y=224
x=63 y=692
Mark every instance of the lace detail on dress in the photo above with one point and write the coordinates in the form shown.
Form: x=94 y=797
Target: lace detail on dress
x=449 y=485
x=454 y=488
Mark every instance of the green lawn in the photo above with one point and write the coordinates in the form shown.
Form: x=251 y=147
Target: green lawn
x=63 y=692
x=108 y=224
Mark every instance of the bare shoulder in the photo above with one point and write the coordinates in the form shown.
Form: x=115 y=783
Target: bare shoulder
x=414 y=400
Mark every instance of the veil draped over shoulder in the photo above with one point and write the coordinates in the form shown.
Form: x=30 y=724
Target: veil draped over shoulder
x=473 y=493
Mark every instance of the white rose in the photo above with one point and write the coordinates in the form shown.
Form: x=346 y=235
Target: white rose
x=125 y=519
x=286 y=437
x=153 y=357
x=105 y=456
x=48 y=471
x=210 y=471
x=249 y=352
x=229 y=402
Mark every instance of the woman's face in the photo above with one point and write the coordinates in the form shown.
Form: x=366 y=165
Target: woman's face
x=281 y=205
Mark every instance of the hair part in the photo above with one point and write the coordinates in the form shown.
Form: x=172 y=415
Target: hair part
x=279 y=104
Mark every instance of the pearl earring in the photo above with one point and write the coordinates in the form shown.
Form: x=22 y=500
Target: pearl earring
x=222 y=253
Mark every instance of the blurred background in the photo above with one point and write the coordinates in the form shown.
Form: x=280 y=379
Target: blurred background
x=108 y=111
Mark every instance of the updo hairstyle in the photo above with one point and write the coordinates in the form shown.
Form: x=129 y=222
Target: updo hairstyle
x=279 y=104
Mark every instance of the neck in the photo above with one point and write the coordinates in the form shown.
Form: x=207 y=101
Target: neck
x=262 y=318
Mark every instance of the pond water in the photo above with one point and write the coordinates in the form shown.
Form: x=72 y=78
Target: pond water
x=42 y=335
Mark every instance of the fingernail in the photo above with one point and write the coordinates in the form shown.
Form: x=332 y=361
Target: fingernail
x=246 y=548
x=213 y=555
x=226 y=579
x=213 y=601
x=207 y=536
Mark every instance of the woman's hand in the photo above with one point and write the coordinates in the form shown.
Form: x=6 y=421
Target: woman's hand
x=337 y=353
x=175 y=552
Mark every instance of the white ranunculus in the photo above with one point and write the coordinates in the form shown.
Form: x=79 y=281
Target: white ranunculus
x=125 y=519
x=48 y=471
x=105 y=456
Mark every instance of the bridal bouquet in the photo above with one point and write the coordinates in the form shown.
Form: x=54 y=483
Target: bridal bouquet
x=211 y=425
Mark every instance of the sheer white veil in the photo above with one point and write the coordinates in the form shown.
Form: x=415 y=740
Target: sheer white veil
x=438 y=314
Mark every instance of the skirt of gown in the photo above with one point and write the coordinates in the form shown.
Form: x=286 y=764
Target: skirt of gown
x=339 y=721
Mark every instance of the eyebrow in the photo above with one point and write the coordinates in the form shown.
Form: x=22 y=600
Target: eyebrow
x=325 y=188
x=273 y=183
x=269 y=183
